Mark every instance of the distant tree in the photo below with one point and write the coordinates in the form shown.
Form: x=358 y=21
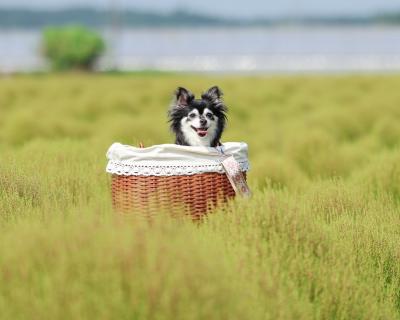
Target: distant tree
x=72 y=47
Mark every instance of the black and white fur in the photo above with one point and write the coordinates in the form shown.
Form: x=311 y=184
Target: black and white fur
x=198 y=122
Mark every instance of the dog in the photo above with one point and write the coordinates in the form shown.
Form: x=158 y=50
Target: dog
x=198 y=122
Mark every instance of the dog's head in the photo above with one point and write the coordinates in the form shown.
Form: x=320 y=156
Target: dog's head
x=198 y=122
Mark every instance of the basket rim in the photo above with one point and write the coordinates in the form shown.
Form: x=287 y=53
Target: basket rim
x=170 y=159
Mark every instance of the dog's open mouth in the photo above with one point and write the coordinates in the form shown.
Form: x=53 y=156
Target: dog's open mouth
x=202 y=132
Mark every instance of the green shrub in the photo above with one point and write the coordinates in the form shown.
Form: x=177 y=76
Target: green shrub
x=72 y=47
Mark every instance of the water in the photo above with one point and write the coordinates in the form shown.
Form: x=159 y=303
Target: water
x=271 y=50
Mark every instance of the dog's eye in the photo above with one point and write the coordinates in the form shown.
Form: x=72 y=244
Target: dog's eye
x=192 y=115
x=209 y=115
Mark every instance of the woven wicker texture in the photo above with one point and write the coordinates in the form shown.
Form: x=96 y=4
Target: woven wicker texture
x=147 y=196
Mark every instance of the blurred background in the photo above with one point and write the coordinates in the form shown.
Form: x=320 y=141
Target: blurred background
x=289 y=36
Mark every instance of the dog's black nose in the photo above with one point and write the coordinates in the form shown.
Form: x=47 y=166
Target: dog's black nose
x=203 y=122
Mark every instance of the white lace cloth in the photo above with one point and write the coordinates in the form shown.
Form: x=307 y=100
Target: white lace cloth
x=172 y=159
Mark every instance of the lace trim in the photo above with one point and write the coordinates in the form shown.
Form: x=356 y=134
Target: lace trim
x=126 y=169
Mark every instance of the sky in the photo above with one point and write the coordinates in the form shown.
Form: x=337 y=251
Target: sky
x=229 y=8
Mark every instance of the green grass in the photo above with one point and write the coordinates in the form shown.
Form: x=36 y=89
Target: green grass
x=320 y=238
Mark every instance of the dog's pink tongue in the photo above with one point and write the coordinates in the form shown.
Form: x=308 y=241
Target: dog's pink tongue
x=201 y=133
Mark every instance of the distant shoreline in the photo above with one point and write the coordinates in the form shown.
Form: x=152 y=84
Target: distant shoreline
x=226 y=50
x=15 y=18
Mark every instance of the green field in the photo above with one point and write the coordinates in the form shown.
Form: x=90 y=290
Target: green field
x=320 y=239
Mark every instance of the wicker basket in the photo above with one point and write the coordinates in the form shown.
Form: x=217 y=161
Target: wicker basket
x=170 y=178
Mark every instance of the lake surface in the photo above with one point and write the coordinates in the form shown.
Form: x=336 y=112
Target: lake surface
x=274 y=50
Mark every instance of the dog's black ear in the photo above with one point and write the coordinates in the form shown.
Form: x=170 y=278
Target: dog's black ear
x=214 y=93
x=183 y=97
